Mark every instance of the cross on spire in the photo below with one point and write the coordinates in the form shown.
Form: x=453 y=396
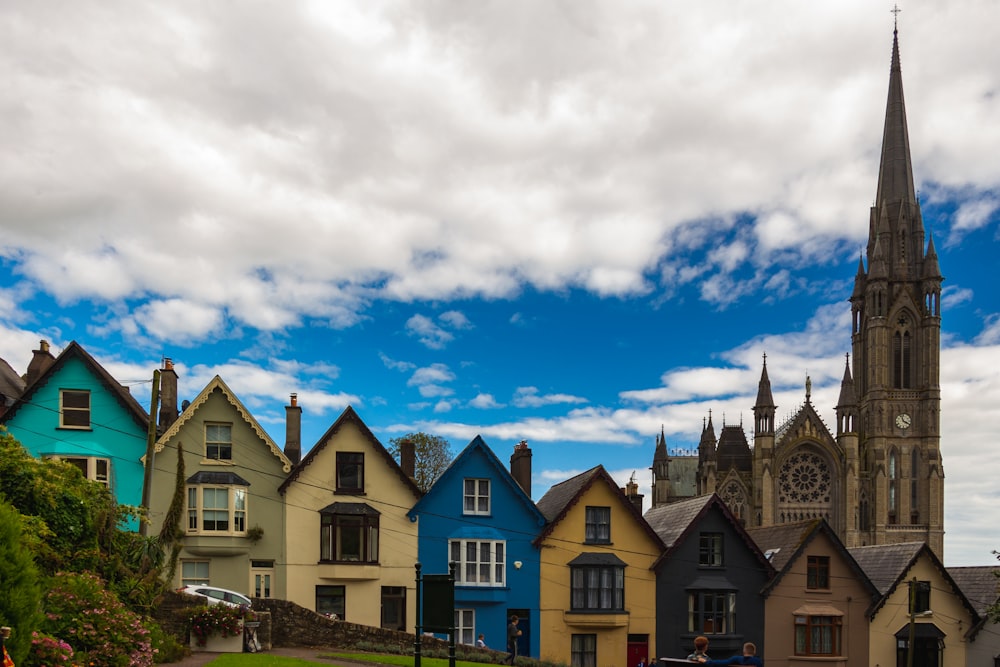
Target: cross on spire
x=895 y=16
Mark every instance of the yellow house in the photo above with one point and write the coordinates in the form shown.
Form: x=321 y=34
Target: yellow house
x=597 y=588
x=915 y=589
x=351 y=548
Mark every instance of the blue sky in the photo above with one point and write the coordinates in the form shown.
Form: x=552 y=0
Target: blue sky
x=571 y=224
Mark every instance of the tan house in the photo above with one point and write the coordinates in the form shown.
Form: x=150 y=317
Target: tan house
x=919 y=606
x=816 y=605
x=596 y=583
x=233 y=521
x=351 y=548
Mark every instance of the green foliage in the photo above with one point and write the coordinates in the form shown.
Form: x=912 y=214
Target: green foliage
x=48 y=651
x=20 y=592
x=91 y=619
x=172 y=530
x=433 y=456
x=166 y=647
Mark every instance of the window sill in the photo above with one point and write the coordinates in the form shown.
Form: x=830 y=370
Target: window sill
x=217 y=462
x=599 y=542
x=62 y=427
x=349 y=492
x=818 y=591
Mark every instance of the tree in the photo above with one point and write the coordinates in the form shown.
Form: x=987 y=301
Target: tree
x=22 y=592
x=433 y=456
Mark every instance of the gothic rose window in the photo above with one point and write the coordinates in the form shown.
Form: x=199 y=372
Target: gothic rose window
x=804 y=478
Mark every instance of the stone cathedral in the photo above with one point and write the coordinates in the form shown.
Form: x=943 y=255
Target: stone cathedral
x=877 y=475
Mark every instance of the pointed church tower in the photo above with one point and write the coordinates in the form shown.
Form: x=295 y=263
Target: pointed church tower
x=856 y=508
x=661 y=472
x=707 y=475
x=896 y=341
x=763 y=451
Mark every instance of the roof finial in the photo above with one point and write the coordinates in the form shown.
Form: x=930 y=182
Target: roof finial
x=895 y=17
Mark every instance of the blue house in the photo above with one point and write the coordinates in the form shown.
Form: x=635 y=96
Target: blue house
x=481 y=517
x=73 y=410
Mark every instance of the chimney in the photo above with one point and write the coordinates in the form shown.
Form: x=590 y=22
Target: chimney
x=168 y=394
x=41 y=361
x=408 y=458
x=520 y=466
x=293 y=430
x=632 y=493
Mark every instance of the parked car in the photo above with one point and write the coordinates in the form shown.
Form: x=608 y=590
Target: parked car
x=217 y=595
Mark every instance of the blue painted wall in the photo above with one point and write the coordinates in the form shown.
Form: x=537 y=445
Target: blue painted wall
x=113 y=434
x=513 y=518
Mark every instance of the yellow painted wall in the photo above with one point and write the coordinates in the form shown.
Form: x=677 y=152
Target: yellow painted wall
x=948 y=614
x=311 y=491
x=629 y=542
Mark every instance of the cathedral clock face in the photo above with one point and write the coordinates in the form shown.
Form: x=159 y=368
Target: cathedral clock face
x=903 y=421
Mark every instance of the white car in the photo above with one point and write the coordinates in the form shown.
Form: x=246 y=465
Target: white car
x=215 y=595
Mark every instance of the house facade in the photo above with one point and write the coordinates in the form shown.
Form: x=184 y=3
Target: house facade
x=816 y=605
x=597 y=583
x=708 y=580
x=915 y=591
x=482 y=518
x=72 y=409
x=351 y=546
x=981 y=588
x=232 y=521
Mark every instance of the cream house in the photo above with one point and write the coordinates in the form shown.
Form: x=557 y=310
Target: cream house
x=351 y=547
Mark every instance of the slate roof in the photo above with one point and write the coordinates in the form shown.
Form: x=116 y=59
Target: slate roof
x=75 y=350
x=887 y=564
x=558 y=499
x=674 y=521
x=786 y=541
x=979 y=584
x=11 y=384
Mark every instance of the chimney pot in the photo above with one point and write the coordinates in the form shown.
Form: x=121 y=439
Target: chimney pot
x=294 y=399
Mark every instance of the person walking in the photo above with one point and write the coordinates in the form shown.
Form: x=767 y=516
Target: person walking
x=749 y=657
x=513 y=632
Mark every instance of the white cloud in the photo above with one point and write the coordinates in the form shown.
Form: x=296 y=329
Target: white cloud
x=455 y=319
x=485 y=402
x=528 y=397
x=429 y=380
x=428 y=332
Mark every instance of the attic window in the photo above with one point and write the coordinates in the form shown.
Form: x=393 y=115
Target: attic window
x=74 y=408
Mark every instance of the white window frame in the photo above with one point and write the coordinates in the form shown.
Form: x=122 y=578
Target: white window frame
x=465 y=626
x=219 y=443
x=189 y=579
x=98 y=469
x=470 y=567
x=63 y=409
x=237 y=516
x=476 y=497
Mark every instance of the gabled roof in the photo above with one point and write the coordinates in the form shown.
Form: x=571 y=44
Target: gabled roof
x=786 y=542
x=806 y=412
x=981 y=588
x=11 y=384
x=888 y=564
x=201 y=398
x=559 y=499
x=75 y=351
x=674 y=522
x=349 y=416
x=479 y=446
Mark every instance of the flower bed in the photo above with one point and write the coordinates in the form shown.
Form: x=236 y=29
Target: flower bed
x=218 y=628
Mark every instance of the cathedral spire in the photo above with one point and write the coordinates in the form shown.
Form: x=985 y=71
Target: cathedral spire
x=847 y=396
x=895 y=174
x=764 y=397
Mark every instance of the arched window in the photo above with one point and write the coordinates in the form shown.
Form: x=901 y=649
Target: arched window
x=902 y=358
x=914 y=488
x=893 y=485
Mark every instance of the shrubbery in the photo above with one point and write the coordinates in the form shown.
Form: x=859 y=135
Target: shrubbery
x=101 y=630
x=21 y=593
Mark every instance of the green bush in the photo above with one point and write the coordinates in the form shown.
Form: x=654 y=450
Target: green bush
x=19 y=602
x=101 y=630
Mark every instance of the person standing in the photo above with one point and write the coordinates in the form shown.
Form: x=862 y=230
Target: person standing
x=513 y=632
x=749 y=657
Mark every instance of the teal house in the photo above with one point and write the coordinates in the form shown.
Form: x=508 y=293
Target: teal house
x=73 y=410
x=481 y=517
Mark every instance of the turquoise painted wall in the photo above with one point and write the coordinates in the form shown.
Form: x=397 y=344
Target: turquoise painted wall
x=113 y=432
